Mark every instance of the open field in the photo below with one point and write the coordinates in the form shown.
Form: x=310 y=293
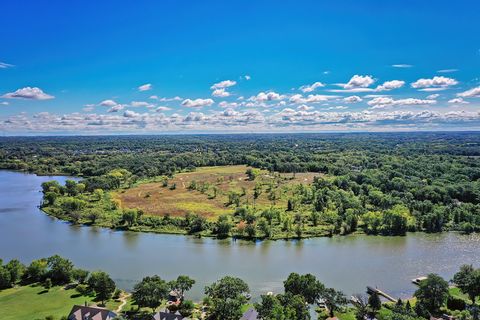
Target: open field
x=34 y=302
x=213 y=188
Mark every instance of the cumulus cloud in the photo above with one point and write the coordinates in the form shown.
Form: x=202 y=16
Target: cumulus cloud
x=116 y=108
x=311 y=87
x=163 y=109
x=130 y=114
x=145 y=87
x=137 y=104
x=352 y=99
x=108 y=103
x=383 y=102
x=312 y=98
x=358 y=81
x=304 y=107
x=390 y=85
x=223 y=84
x=434 y=84
x=225 y=104
x=338 y=119
x=433 y=96
x=31 y=93
x=221 y=93
x=197 y=103
x=475 y=92
x=266 y=96
x=458 y=101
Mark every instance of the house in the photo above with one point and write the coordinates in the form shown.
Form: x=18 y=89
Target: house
x=165 y=315
x=90 y=313
x=250 y=314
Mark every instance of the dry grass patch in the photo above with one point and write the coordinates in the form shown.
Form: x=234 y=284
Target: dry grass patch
x=210 y=197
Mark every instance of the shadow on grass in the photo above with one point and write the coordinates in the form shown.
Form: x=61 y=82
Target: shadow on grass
x=43 y=291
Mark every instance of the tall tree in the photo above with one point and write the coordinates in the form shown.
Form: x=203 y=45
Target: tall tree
x=150 y=292
x=432 y=292
x=468 y=281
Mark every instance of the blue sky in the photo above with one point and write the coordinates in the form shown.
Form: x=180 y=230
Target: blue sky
x=288 y=66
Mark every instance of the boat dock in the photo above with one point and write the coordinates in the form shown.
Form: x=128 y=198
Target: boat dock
x=371 y=290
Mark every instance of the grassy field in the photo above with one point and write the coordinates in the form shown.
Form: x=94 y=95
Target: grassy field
x=210 y=198
x=33 y=302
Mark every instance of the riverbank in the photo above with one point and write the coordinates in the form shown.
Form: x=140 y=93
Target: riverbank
x=27 y=233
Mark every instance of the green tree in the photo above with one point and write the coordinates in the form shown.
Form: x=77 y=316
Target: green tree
x=47 y=284
x=5 y=280
x=150 y=292
x=181 y=285
x=305 y=285
x=16 y=269
x=432 y=292
x=227 y=296
x=36 y=271
x=80 y=275
x=130 y=216
x=60 y=269
x=468 y=281
x=333 y=300
x=102 y=284
x=374 y=303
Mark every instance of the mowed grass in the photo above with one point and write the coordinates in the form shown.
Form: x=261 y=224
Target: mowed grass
x=155 y=199
x=33 y=302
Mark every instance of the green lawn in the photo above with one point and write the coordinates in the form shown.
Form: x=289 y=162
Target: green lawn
x=32 y=302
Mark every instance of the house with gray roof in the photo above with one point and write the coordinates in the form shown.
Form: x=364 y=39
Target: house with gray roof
x=90 y=313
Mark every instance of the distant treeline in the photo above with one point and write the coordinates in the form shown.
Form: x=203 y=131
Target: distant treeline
x=383 y=183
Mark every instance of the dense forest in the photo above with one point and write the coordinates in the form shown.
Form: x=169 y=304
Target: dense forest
x=386 y=183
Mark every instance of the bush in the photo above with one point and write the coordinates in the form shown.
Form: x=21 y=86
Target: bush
x=456 y=304
x=186 y=308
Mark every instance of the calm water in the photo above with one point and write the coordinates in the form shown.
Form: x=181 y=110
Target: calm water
x=347 y=263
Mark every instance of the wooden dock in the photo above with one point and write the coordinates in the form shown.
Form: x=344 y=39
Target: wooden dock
x=371 y=290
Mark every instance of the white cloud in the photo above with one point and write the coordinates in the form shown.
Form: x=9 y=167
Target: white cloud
x=197 y=103
x=247 y=77
x=130 y=114
x=475 y=92
x=225 y=104
x=383 y=102
x=221 y=93
x=458 y=101
x=352 y=99
x=390 y=85
x=162 y=109
x=145 y=87
x=311 y=87
x=28 y=93
x=137 y=104
x=437 y=82
x=108 y=103
x=5 y=103
x=358 y=81
x=337 y=108
x=447 y=70
x=304 y=107
x=4 y=65
x=312 y=98
x=153 y=97
x=402 y=65
x=223 y=84
x=267 y=96
x=176 y=98
x=433 y=96
x=116 y=108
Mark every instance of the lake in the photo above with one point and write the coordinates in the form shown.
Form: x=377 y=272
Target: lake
x=348 y=263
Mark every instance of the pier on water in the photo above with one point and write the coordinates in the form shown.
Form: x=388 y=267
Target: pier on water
x=372 y=290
